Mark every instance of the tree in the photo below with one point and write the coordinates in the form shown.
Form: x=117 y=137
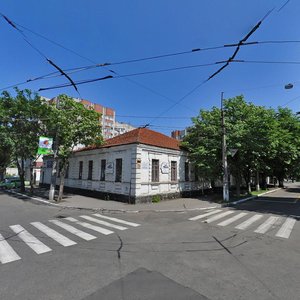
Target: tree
x=285 y=145
x=71 y=124
x=267 y=141
x=21 y=125
x=204 y=142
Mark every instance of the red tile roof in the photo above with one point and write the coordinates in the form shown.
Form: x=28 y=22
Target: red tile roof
x=140 y=136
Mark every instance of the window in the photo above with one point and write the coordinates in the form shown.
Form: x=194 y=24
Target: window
x=155 y=170
x=103 y=167
x=173 y=170
x=80 y=170
x=118 y=170
x=90 y=171
x=186 y=171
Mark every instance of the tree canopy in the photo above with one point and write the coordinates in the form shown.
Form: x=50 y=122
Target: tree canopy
x=267 y=141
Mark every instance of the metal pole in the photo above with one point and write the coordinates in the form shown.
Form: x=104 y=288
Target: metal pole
x=54 y=166
x=224 y=155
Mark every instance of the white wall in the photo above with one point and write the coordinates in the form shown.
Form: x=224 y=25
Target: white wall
x=136 y=171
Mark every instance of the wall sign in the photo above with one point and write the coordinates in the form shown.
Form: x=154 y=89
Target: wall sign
x=164 y=167
x=109 y=168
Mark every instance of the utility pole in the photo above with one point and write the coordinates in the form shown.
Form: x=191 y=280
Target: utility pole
x=54 y=165
x=224 y=155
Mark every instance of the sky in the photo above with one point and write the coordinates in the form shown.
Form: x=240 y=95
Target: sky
x=96 y=32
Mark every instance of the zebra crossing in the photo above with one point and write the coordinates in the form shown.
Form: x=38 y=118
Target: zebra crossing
x=91 y=222
x=243 y=220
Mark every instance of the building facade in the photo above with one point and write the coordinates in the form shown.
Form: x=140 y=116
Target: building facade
x=134 y=167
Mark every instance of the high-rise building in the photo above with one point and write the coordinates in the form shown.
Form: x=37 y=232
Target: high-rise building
x=108 y=117
x=178 y=134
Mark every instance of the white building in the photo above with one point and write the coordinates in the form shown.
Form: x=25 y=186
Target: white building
x=134 y=167
x=121 y=127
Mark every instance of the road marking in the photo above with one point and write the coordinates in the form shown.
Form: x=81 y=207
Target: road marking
x=59 y=238
x=107 y=224
x=248 y=222
x=84 y=235
x=36 y=245
x=90 y=226
x=232 y=219
x=219 y=216
x=7 y=253
x=264 y=227
x=286 y=228
x=205 y=215
x=117 y=220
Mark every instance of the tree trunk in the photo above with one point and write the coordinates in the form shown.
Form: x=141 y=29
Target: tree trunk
x=61 y=184
x=257 y=187
x=2 y=173
x=31 y=176
x=21 y=172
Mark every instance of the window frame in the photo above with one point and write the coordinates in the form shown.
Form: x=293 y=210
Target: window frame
x=119 y=170
x=80 y=171
x=155 y=170
x=187 y=171
x=102 y=169
x=90 y=170
x=174 y=170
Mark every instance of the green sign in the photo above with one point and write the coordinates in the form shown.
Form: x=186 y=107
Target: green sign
x=45 y=145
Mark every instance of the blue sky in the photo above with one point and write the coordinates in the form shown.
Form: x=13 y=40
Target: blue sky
x=116 y=30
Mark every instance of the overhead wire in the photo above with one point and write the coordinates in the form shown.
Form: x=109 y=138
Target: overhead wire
x=243 y=40
x=11 y=23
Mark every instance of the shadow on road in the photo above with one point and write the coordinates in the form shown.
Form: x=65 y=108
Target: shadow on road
x=284 y=202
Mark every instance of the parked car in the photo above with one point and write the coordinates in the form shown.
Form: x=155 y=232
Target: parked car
x=10 y=183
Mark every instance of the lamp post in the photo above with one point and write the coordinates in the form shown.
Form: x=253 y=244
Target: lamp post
x=224 y=155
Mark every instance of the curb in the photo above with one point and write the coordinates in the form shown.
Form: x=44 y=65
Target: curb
x=250 y=198
x=45 y=202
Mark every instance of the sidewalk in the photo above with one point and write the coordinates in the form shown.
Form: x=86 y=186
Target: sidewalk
x=84 y=202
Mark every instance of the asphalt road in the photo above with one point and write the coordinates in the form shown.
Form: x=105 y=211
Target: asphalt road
x=156 y=256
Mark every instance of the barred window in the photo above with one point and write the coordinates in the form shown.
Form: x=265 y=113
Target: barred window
x=155 y=170
x=80 y=170
x=103 y=167
x=118 y=170
x=173 y=170
x=90 y=170
x=186 y=171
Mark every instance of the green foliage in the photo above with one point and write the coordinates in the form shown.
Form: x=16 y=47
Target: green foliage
x=21 y=126
x=71 y=124
x=25 y=117
x=267 y=141
x=156 y=198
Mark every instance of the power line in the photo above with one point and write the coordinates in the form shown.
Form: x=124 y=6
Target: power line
x=145 y=117
x=11 y=23
x=223 y=67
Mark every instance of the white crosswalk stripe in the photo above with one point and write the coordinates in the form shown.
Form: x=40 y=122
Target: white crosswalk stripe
x=107 y=224
x=248 y=222
x=205 y=215
x=286 y=228
x=59 y=238
x=84 y=235
x=232 y=219
x=219 y=216
x=269 y=223
x=7 y=253
x=117 y=220
x=36 y=245
x=90 y=226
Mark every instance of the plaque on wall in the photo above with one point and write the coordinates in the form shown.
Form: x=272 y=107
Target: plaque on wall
x=109 y=168
x=164 y=167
